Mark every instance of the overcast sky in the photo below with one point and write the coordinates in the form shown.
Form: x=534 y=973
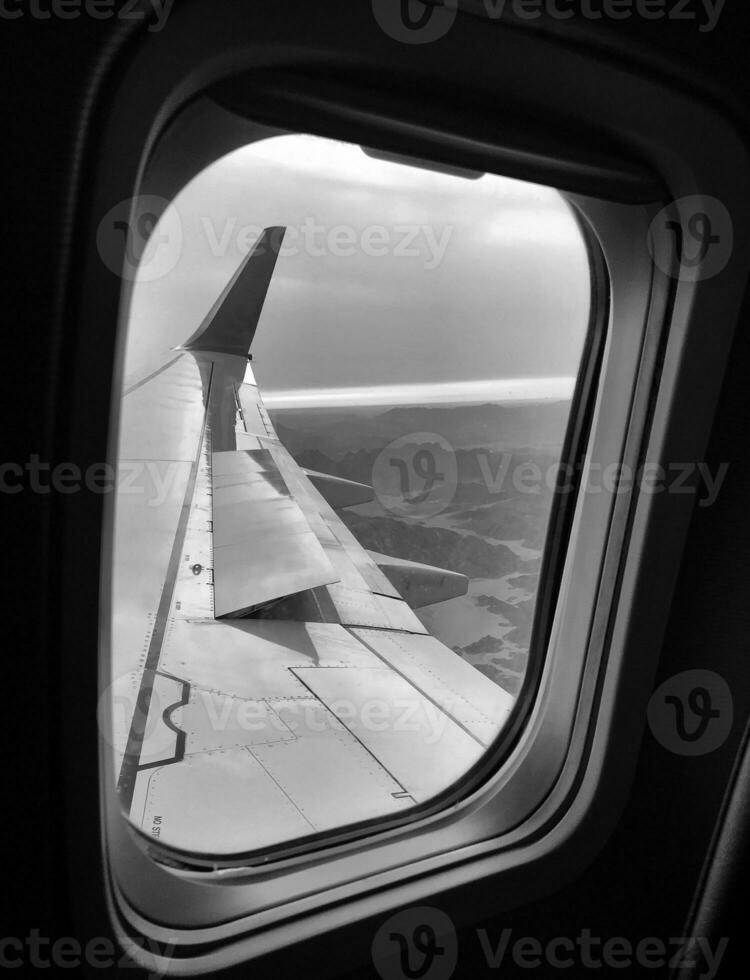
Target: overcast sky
x=395 y=284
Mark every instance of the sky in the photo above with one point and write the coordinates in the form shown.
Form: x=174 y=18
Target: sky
x=394 y=284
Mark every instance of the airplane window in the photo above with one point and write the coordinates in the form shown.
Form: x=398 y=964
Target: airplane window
x=346 y=388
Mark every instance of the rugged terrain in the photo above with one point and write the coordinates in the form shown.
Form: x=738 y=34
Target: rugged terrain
x=490 y=524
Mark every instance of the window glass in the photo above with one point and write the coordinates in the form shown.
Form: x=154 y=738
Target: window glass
x=327 y=554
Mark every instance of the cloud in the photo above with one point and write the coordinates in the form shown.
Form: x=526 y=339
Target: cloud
x=508 y=297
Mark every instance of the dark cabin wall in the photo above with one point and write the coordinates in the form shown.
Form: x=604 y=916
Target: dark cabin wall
x=642 y=882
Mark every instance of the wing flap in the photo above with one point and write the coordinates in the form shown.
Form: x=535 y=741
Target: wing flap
x=264 y=548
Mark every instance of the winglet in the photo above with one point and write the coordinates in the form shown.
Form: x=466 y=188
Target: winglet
x=231 y=323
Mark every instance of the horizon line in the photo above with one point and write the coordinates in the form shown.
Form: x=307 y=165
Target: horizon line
x=510 y=390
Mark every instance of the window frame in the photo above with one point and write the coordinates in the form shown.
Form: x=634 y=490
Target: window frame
x=557 y=534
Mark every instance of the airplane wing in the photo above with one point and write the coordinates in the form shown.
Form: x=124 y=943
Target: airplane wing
x=272 y=680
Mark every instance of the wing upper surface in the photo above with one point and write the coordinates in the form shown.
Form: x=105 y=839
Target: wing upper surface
x=279 y=684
